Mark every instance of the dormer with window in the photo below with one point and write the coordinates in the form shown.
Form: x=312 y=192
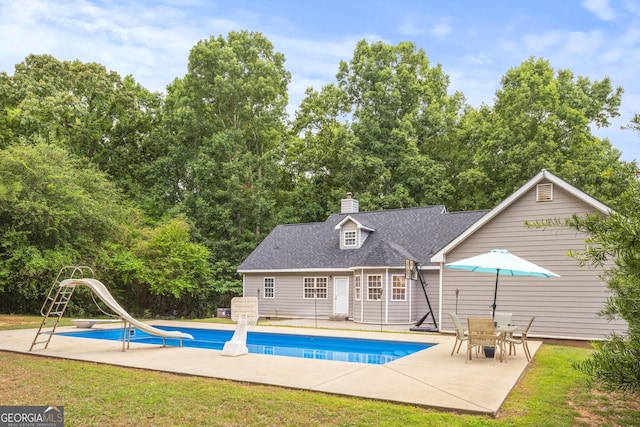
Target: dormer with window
x=352 y=233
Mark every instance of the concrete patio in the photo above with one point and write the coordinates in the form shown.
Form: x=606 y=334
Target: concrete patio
x=429 y=378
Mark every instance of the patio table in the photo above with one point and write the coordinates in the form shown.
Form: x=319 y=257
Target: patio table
x=504 y=331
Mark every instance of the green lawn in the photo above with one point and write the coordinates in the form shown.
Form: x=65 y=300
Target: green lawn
x=551 y=393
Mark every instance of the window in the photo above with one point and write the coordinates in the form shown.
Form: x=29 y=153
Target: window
x=315 y=287
x=398 y=288
x=374 y=287
x=357 y=284
x=269 y=287
x=350 y=238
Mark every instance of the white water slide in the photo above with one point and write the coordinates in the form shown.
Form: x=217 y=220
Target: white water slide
x=103 y=293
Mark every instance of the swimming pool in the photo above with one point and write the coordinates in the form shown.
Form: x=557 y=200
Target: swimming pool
x=354 y=350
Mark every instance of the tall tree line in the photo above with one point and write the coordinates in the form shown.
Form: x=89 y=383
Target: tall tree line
x=165 y=195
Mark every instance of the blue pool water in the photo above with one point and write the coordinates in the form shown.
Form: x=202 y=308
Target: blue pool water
x=306 y=346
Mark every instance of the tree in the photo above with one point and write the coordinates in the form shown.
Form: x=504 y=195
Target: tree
x=634 y=123
x=160 y=269
x=82 y=107
x=616 y=237
x=224 y=124
x=56 y=210
x=542 y=119
x=376 y=131
x=472 y=187
x=316 y=155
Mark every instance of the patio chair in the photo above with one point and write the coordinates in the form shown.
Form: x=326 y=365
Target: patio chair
x=513 y=341
x=460 y=334
x=481 y=334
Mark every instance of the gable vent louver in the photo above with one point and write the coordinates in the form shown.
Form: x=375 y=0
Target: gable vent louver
x=544 y=192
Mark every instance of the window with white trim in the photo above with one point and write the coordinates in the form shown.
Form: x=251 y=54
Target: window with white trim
x=316 y=287
x=350 y=238
x=374 y=287
x=398 y=288
x=269 y=287
x=357 y=284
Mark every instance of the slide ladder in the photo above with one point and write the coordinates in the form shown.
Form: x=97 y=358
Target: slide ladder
x=56 y=303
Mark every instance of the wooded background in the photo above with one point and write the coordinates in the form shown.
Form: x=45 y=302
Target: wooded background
x=164 y=195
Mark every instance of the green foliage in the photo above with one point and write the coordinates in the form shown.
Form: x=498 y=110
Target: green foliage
x=541 y=120
x=616 y=238
x=82 y=107
x=160 y=269
x=207 y=171
x=59 y=211
x=376 y=131
x=225 y=121
x=173 y=265
x=614 y=364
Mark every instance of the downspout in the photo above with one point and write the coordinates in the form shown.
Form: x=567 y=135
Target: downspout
x=352 y=295
x=362 y=295
x=440 y=292
x=386 y=300
x=408 y=283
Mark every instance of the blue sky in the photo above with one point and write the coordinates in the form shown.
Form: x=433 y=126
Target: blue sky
x=476 y=42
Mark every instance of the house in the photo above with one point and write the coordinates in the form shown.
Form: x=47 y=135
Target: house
x=565 y=307
x=352 y=266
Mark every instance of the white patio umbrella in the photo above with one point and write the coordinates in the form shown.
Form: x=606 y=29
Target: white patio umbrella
x=501 y=262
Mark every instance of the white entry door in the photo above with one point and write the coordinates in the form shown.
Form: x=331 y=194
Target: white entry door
x=341 y=295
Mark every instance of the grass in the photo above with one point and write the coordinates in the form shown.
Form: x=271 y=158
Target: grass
x=551 y=393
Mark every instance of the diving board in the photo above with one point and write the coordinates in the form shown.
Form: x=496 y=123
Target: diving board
x=89 y=323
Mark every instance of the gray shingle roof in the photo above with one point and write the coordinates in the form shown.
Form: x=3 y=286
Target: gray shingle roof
x=415 y=233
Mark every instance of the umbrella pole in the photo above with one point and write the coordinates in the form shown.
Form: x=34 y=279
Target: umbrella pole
x=495 y=293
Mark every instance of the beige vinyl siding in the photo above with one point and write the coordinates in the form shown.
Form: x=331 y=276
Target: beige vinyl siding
x=374 y=311
x=289 y=298
x=398 y=311
x=289 y=301
x=565 y=307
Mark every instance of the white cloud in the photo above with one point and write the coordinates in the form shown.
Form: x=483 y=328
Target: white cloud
x=441 y=30
x=151 y=43
x=507 y=45
x=631 y=6
x=408 y=28
x=540 y=42
x=479 y=59
x=579 y=43
x=600 y=8
x=631 y=37
x=314 y=58
x=612 y=56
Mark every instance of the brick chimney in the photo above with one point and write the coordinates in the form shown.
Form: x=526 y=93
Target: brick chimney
x=348 y=205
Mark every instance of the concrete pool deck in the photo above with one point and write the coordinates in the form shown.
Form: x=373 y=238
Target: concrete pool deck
x=429 y=378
